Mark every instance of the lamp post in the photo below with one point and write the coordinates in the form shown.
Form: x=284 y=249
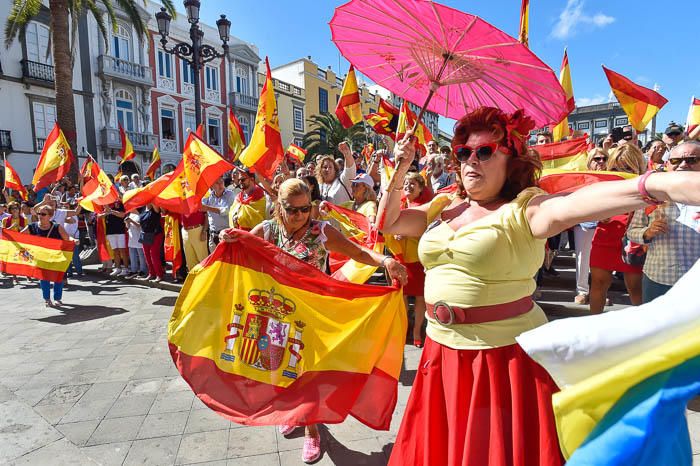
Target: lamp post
x=194 y=53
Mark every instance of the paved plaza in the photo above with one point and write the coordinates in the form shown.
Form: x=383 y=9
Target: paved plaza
x=93 y=383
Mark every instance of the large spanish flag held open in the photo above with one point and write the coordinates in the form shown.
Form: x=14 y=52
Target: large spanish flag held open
x=626 y=378
x=265 y=151
x=55 y=160
x=34 y=256
x=639 y=103
x=693 y=121
x=561 y=130
x=12 y=181
x=348 y=110
x=571 y=154
x=263 y=338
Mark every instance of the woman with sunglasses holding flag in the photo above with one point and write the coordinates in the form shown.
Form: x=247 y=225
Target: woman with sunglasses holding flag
x=478 y=398
x=294 y=231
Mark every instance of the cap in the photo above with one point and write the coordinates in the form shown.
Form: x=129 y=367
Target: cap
x=673 y=128
x=364 y=178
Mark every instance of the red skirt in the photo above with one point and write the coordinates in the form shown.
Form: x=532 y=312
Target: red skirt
x=478 y=408
x=416 y=279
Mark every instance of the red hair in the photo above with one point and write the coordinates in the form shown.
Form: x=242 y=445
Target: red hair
x=512 y=131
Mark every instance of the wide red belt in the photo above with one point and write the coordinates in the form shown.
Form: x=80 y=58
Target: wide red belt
x=448 y=315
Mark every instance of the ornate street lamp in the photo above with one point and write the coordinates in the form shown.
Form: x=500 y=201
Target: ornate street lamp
x=194 y=53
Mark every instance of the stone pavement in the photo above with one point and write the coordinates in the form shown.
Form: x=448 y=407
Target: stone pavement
x=93 y=383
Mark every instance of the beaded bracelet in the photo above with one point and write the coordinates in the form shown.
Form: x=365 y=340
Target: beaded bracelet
x=641 y=187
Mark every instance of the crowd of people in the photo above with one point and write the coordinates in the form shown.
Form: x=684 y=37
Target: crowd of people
x=469 y=235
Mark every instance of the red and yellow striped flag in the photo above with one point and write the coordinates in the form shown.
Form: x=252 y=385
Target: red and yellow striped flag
x=172 y=244
x=264 y=339
x=639 y=103
x=349 y=110
x=265 y=151
x=104 y=250
x=98 y=190
x=385 y=120
x=567 y=181
x=236 y=137
x=569 y=155
x=55 y=160
x=561 y=131
x=367 y=152
x=12 y=181
x=406 y=121
x=248 y=209
x=693 y=121
x=297 y=152
x=524 y=33
x=127 y=151
x=155 y=164
x=34 y=256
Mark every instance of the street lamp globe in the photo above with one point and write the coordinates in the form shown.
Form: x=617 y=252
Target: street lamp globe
x=224 y=26
x=192 y=8
x=163 y=19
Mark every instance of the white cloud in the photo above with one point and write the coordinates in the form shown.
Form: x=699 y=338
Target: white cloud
x=595 y=100
x=573 y=15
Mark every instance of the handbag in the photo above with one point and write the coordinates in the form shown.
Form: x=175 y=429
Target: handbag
x=147 y=237
x=633 y=254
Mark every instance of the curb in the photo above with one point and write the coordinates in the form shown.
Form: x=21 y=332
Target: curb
x=164 y=285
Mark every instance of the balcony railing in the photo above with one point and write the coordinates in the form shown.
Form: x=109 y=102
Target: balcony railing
x=5 y=141
x=142 y=142
x=124 y=70
x=243 y=102
x=37 y=71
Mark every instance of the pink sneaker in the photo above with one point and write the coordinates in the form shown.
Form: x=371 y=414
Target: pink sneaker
x=286 y=429
x=312 y=449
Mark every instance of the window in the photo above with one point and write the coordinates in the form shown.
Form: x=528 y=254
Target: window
x=214 y=131
x=37 y=41
x=188 y=122
x=584 y=125
x=601 y=123
x=121 y=44
x=321 y=74
x=211 y=75
x=165 y=64
x=298 y=141
x=245 y=126
x=44 y=119
x=621 y=121
x=187 y=73
x=242 y=82
x=298 y=118
x=167 y=123
x=337 y=98
x=322 y=100
x=125 y=109
x=322 y=135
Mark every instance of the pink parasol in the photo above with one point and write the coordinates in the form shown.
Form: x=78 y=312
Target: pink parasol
x=454 y=61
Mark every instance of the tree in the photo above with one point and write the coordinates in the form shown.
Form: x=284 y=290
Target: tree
x=64 y=32
x=327 y=133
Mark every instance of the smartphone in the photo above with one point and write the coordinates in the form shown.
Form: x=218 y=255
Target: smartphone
x=617 y=134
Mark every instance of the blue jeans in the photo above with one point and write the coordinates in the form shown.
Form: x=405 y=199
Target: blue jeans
x=46 y=290
x=76 y=263
x=652 y=290
x=137 y=261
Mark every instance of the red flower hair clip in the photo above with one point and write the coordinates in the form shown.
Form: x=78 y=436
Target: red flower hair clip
x=518 y=129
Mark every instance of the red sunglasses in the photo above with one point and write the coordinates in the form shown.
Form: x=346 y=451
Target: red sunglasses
x=483 y=152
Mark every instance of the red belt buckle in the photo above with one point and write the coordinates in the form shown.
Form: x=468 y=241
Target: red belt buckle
x=442 y=310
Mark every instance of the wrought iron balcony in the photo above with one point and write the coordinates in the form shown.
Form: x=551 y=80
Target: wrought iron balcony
x=142 y=142
x=5 y=141
x=38 y=73
x=124 y=70
x=243 y=102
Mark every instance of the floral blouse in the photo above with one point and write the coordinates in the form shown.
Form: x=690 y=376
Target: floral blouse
x=311 y=248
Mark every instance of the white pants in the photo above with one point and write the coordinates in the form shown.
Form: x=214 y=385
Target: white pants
x=583 y=238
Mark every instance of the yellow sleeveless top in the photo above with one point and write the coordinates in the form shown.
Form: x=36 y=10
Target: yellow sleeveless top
x=492 y=260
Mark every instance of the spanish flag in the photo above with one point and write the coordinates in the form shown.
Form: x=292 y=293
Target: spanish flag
x=236 y=137
x=104 y=250
x=523 y=36
x=155 y=164
x=567 y=155
x=55 y=160
x=127 y=151
x=34 y=256
x=566 y=181
x=385 y=120
x=12 y=181
x=265 y=151
x=639 y=103
x=626 y=379
x=172 y=243
x=182 y=191
x=693 y=121
x=263 y=338
x=367 y=152
x=561 y=131
x=349 y=109
x=407 y=120
x=90 y=169
x=297 y=152
x=98 y=190
x=248 y=209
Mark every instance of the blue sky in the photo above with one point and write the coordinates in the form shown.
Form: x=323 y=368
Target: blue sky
x=639 y=39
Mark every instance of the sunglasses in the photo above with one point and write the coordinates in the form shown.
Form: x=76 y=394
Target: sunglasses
x=483 y=152
x=600 y=159
x=678 y=160
x=295 y=210
x=674 y=133
x=43 y=214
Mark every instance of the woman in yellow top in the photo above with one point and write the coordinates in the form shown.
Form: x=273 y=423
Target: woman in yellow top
x=478 y=399
x=364 y=199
